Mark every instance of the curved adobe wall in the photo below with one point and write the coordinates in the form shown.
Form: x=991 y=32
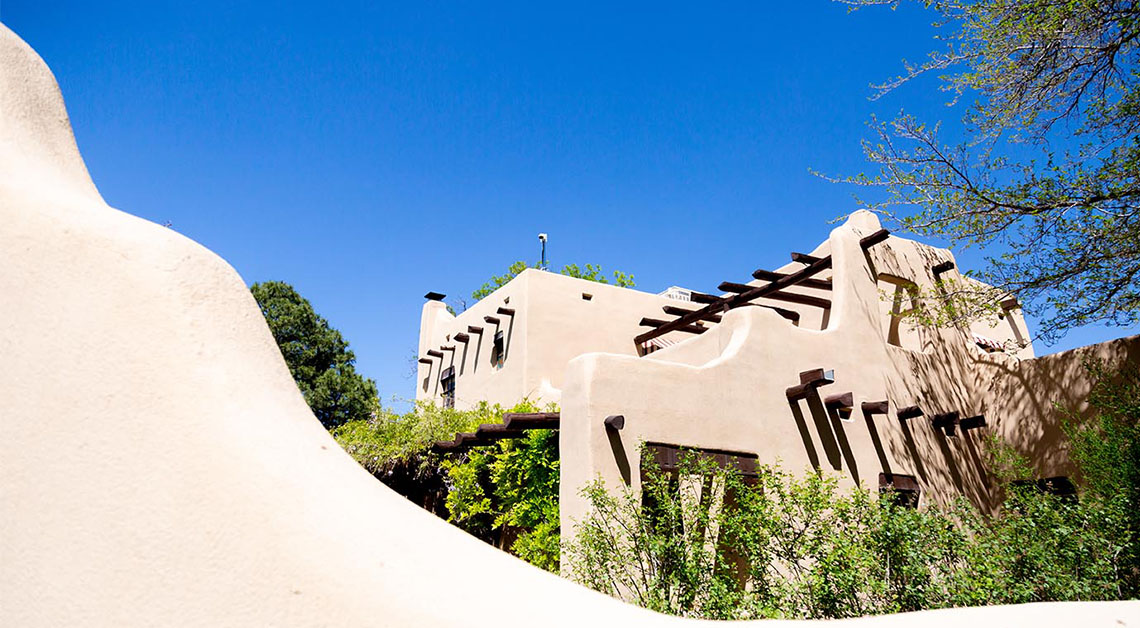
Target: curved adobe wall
x=158 y=466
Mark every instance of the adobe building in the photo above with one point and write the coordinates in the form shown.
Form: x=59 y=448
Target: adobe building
x=160 y=467
x=814 y=364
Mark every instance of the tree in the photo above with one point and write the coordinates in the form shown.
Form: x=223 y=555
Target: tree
x=318 y=356
x=1048 y=167
x=592 y=272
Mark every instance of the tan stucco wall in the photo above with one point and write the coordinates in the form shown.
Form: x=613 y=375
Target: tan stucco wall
x=159 y=467
x=726 y=390
x=552 y=324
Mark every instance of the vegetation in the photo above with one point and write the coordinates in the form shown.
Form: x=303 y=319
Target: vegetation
x=318 y=356
x=506 y=494
x=1047 y=169
x=591 y=272
x=709 y=543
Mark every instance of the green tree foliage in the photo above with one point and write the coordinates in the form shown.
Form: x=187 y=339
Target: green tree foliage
x=389 y=437
x=317 y=355
x=591 y=272
x=1106 y=450
x=705 y=542
x=1047 y=169
x=506 y=494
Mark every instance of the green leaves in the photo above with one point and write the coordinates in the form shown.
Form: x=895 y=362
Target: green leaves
x=1047 y=172
x=511 y=488
x=591 y=272
x=317 y=355
x=706 y=542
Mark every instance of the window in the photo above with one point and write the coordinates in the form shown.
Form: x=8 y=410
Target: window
x=447 y=381
x=901 y=489
x=498 y=350
x=1060 y=486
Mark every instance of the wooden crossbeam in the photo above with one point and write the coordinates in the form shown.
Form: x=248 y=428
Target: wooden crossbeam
x=497 y=431
x=658 y=323
x=804 y=258
x=944 y=267
x=614 y=422
x=947 y=422
x=506 y=311
x=435 y=354
x=875 y=238
x=810 y=380
x=473 y=329
x=673 y=310
x=756 y=292
x=842 y=401
x=972 y=423
x=491 y=320
x=461 y=337
x=875 y=407
x=788 y=314
x=802 y=299
x=910 y=412
x=424 y=361
x=736 y=300
x=531 y=420
x=514 y=425
x=768 y=275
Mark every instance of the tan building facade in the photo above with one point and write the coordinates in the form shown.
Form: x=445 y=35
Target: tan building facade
x=891 y=403
x=158 y=466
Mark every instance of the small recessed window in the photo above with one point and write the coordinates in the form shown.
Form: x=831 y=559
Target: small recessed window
x=586 y=296
x=498 y=353
x=902 y=490
x=447 y=382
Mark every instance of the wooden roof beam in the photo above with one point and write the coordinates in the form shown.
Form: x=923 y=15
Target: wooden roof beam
x=788 y=297
x=810 y=270
x=673 y=310
x=531 y=420
x=875 y=407
x=810 y=380
x=767 y=275
x=736 y=300
x=654 y=322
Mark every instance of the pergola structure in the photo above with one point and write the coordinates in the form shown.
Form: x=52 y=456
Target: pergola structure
x=514 y=425
x=692 y=321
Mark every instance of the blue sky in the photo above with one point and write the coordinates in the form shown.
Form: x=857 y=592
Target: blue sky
x=368 y=152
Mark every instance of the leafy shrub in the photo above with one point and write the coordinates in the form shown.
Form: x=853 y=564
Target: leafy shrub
x=510 y=490
x=505 y=494
x=707 y=542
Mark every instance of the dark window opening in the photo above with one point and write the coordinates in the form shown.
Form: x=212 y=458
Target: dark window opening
x=447 y=382
x=902 y=490
x=498 y=352
x=1060 y=486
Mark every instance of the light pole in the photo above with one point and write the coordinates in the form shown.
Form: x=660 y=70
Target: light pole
x=542 y=239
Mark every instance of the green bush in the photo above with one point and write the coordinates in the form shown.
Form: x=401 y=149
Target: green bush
x=506 y=493
x=510 y=490
x=706 y=542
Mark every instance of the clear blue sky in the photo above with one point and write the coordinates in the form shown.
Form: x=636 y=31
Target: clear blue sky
x=367 y=152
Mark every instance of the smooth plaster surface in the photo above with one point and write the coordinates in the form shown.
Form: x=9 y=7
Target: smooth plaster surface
x=159 y=467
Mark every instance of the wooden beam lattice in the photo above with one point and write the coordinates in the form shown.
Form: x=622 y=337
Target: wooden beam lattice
x=514 y=425
x=754 y=292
